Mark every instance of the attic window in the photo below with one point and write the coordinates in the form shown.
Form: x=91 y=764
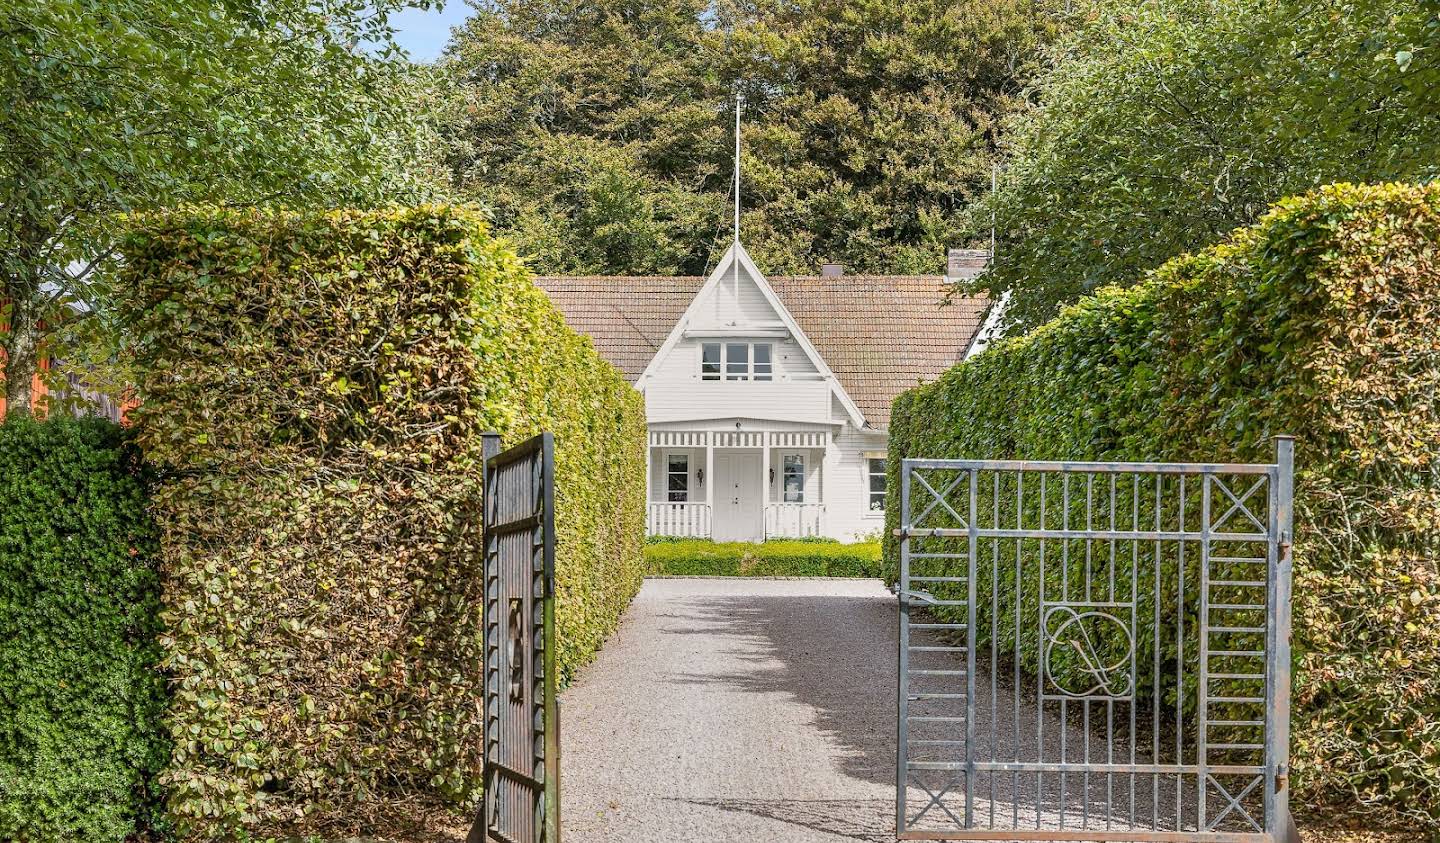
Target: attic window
x=737 y=361
x=710 y=361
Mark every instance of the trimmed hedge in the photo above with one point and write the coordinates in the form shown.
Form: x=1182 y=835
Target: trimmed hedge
x=312 y=392
x=1323 y=320
x=80 y=700
x=775 y=558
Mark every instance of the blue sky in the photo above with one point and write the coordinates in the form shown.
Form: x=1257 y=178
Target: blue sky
x=423 y=34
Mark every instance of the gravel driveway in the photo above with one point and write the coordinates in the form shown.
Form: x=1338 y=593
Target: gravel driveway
x=737 y=710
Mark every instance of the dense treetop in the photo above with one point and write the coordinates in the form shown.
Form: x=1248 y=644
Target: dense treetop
x=121 y=105
x=1161 y=126
x=600 y=132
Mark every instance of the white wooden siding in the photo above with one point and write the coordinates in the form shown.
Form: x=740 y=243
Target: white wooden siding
x=732 y=303
x=778 y=400
x=848 y=485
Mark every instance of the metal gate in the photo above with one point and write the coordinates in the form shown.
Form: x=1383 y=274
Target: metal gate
x=521 y=803
x=1094 y=651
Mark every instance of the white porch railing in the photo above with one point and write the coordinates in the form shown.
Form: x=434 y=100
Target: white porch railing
x=794 y=520
x=691 y=520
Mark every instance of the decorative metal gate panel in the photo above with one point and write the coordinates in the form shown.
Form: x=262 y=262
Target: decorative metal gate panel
x=1094 y=651
x=521 y=803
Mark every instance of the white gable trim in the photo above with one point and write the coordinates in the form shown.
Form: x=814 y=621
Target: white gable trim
x=727 y=264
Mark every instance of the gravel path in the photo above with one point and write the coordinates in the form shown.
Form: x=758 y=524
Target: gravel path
x=732 y=709
x=737 y=710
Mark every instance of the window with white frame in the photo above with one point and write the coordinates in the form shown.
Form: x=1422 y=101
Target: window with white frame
x=876 y=472
x=794 y=478
x=677 y=478
x=737 y=361
x=761 y=368
x=710 y=361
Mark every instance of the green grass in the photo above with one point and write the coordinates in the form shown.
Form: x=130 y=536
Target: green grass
x=779 y=558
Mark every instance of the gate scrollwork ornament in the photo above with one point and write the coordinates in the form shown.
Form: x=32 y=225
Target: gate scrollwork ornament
x=1082 y=632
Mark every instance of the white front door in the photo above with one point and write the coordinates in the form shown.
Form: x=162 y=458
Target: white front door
x=737 y=497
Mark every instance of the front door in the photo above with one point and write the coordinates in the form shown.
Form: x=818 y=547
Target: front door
x=737 y=496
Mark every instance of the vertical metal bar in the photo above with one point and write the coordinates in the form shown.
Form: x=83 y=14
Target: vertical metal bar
x=1089 y=525
x=1134 y=634
x=1112 y=541
x=971 y=584
x=1202 y=723
x=1019 y=610
x=1277 y=645
x=993 y=754
x=1180 y=663
x=1064 y=596
x=1040 y=686
x=903 y=674
x=1089 y=595
x=1156 y=697
x=1085 y=762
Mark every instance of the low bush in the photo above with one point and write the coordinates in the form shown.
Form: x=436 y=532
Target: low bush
x=312 y=392
x=1323 y=321
x=80 y=699
x=775 y=558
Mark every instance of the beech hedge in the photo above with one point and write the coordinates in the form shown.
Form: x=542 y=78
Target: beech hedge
x=312 y=392
x=81 y=741
x=1322 y=321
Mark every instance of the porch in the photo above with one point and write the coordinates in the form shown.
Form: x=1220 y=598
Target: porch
x=737 y=485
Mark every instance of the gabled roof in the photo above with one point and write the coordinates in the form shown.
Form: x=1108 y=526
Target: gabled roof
x=879 y=334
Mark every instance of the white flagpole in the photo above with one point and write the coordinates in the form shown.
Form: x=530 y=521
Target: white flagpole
x=739 y=101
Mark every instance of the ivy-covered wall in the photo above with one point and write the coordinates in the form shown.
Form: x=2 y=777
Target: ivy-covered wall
x=1322 y=321
x=81 y=740
x=312 y=392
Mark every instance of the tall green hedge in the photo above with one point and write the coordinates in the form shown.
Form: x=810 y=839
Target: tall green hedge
x=80 y=701
x=1323 y=321
x=312 y=393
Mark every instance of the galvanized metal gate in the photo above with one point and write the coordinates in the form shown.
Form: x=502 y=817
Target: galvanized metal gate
x=521 y=803
x=1094 y=651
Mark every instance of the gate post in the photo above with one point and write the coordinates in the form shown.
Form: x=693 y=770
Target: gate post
x=1278 y=736
x=489 y=447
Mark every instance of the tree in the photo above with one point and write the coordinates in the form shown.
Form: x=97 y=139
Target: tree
x=115 y=106
x=599 y=131
x=1161 y=126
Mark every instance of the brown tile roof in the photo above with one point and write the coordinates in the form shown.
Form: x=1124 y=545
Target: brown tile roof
x=879 y=334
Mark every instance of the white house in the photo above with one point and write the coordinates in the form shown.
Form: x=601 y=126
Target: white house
x=768 y=399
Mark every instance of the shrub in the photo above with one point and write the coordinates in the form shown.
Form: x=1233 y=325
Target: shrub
x=313 y=389
x=775 y=558
x=80 y=699
x=1320 y=321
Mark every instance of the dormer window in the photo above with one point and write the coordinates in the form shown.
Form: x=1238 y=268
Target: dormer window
x=737 y=361
x=710 y=361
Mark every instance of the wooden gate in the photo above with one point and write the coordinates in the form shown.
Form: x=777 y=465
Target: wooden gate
x=521 y=803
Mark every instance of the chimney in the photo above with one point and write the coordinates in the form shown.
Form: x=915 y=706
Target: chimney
x=832 y=270
x=964 y=264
